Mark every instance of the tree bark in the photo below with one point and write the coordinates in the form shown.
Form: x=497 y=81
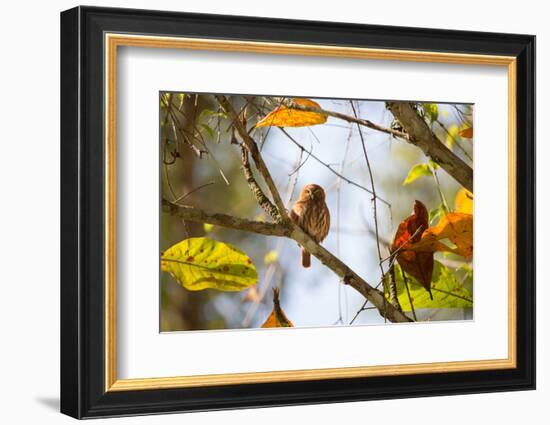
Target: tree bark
x=422 y=136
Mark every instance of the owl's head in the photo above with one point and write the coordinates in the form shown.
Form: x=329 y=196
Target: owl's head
x=313 y=191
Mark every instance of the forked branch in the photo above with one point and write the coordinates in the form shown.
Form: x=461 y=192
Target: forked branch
x=417 y=132
x=422 y=136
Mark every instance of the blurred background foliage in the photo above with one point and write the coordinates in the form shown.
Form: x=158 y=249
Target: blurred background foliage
x=201 y=168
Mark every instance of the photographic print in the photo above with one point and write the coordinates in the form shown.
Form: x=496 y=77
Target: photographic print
x=282 y=211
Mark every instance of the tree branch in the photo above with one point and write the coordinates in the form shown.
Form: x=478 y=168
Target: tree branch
x=417 y=132
x=324 y=164
x=349 y=277
x=224 y=220
x=422 y=136
x=263 y=200
x=296 y=233
x=257 y=157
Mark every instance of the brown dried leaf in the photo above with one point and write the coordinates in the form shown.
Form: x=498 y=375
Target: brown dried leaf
x=417 y=264
x=277 y=318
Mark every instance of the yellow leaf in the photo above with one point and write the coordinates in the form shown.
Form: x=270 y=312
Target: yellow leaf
x=277 y=318
x=464 y=201
x=467 y=132
x=271 y=257
x=200 y=263
x=456 y=227
x=282 y=116
x=208 y=227
x=451 y=135
x=260 y=217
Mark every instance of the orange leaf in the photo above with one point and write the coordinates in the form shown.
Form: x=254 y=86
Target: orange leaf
x=283 y=116
x=467 y=132
x=455 y=226
x=464 y=201
x=418 y=264
x=277 y=318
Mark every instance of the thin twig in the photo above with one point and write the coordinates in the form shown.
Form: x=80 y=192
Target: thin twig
x=338 y=216
x=455 y=141
x=182 y=197
x=453 y=295
x=392 y=288
x=320 y=161
x=441 y=195
x=363 y=122
x=373 y=189
x=406 y=283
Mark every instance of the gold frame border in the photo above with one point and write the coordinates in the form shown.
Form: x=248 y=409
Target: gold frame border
x=113 y=41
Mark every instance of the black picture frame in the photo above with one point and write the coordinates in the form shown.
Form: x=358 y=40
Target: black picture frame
x=82 y=218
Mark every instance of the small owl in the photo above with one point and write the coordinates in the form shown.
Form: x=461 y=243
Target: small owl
x=311 y=213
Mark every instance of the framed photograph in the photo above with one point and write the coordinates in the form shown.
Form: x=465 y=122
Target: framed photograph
x=261 y=212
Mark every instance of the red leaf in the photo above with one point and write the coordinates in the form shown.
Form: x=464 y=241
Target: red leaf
x=418 y=264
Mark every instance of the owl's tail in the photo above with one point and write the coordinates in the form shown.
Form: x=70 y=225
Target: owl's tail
x=306 y=258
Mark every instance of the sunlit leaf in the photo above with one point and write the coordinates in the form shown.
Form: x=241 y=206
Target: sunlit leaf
x=181 y=97
x=282 y=116
x=464 y=201
x=277 y=318
x=451 y=135
x=417 y=171
x=431 y=111
x=467 y=132
x=456 y=227
x=208 y=227
x=433 y=164
x=200 y=263
x=271 y=257
x=447 y=290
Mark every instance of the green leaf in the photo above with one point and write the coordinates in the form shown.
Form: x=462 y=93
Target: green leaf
x=447 y=290
x=437 y=213
x=417 y=171
x=431 y=111
x=207 y=114
x=433 y=164
x=208 y=130
x=201 y=263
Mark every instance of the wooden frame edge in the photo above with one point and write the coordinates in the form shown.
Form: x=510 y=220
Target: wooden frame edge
x=113 y=40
